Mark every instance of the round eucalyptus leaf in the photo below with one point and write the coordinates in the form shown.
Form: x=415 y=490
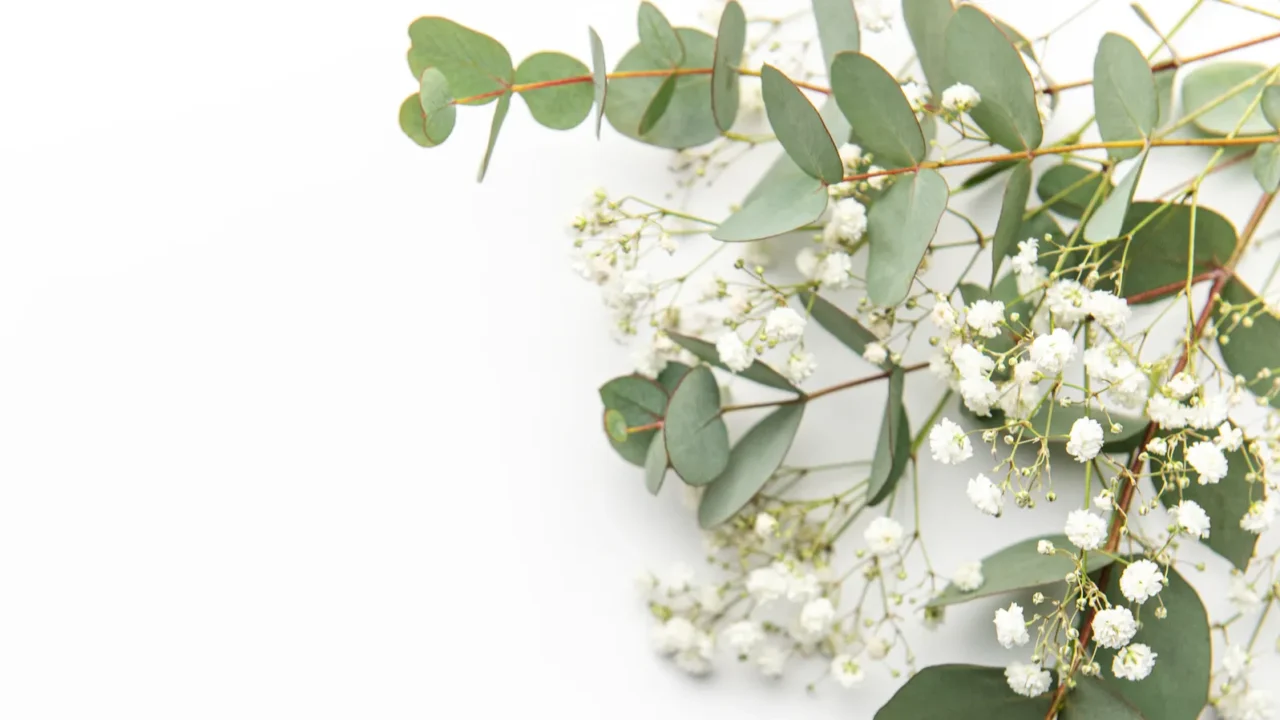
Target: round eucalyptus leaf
x=688 y=120
x=474 y=63
x=641 y=401
x=731 y=40
x=438 y=110
x=882 y=120
x=1069 y=189
x=901 y=224
x=981 y=56
x=1124 y=94
x=799 y=127
x=1206 y=84
x=752 y=462
x=560 y=107
x=961 y=692
x=1020 y=567
x=695 y=435
x=615 y=425
x=655 y=464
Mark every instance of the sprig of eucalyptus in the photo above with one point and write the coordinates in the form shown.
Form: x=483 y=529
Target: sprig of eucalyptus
x=1156 y=427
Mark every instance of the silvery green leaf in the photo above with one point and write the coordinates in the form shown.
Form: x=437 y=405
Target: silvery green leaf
x=752 y=462
x=901 y=224
x=1124 y=94
x=799 y=127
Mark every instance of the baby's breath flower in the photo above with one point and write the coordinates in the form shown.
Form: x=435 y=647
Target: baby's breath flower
x=1011 y=626
x=1141 y=581
x=960 y=98
x=1134 y=662
x=1028 y=680
x=1086 y=530
x=948 y=443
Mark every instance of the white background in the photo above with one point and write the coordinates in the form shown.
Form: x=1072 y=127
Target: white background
x=298 y=421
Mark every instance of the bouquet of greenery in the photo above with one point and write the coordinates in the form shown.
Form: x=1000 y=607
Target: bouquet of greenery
x=1125 y=341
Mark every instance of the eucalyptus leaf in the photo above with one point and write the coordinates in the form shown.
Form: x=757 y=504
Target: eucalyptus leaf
x=559 y=107
x=790 y=203
x=926 y=22
x=1204 y=86
x=731 y=40
x=901 y=224
x=697 y=441
x=615 y=426
x=1096 y=699
x=842 y=327
x=1271 y=105
x=1124 y=94
x=893 y=449
x=962 y=692
x=1069 y=189
x=655 y=464
x=499 y=116
x=413 y=123
x=882 y=120
x=757 y=372
x=1156 y=254
x=1178 y=687
x=799 y=127
x=1250 y=352
x=436 y=107
x=1266 y=166
x=1108 y=220
x=1021 y=567
x=474 y=63
x=1225 y=502
x=599 y=76
x=688 y=120
x=641 y=402
x=671 y=375
x=752 y=462
x=838 y=30
x=979 y=55
x=658 y=105
x=785 y=172
x=1009 y=227
x=657 y=37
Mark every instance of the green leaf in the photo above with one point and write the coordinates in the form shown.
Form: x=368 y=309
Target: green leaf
x=688 y=120
x=1226 y=502
x=412 y=121
x=599 y=76
x=658 y=38
x=1271 y=105
x=731 y=39
x=986 y=173
x=1020 y=567
x=1204 y=85
x=785 y=172
x=615 y=426
x=979 y=55
x=1009 y=227
x=882 y=120
x=1107 y=221
x=1156 y=254
x=752 y=462
x=792 y=202
x=1069 y=189
x=655 y=464
x=1266 y=166
x=474 y=63
x=696 y=437
x=1251 y=350
x=1095 y=699
x=641 y=402
x=838 y=32
x=560 y=107
x=437 y=110
x=926 y=22
x=499 y=115
x=671 y=375
x=901 y=224
x=756 y=372
x=893 y=449
x=799 y=127
x=1178 y=687
x=658 y=105
x=961 y=692
x=842 y=327
x=1124 y=94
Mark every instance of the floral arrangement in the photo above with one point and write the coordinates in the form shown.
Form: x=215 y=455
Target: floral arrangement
x=1088 y=336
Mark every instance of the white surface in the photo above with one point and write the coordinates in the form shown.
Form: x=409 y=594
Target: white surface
x=298 y=421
